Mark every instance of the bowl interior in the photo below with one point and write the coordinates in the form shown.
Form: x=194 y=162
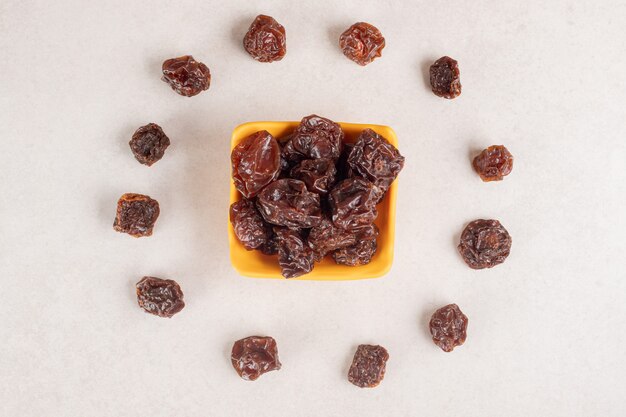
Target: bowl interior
x=257 y=265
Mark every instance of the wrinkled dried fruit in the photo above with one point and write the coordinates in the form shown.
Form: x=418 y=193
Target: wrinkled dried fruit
x=161 y=297
x=368 y=366
x=149 y=144
x=343 y=168
x=288 y=203
x=317 y=174
x=317 y=137
x=376 y=160
x=295 y=257
x=362 y=251
x=248 y=224
x=494 y=163
x=327 y=237
x=484 y=244
x=362 y=43
x=255 y=355
x=186 y=76
x=136 y=215
x=353 y=203
x=444 y=78
x=448 y=326
x=270 y=247
x=266 y=40
x=255 y=163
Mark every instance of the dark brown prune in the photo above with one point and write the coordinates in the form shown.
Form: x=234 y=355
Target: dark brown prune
x=289 y=157
x=376 y=160
x=270 y=247
x=448 y=326
x=149 y=144
x=255 y=355
x=362 y=43
x=362 y=251
x=484 y=244
x=317 y=174
x=136 y=215
x=353 y=203
x=444 y=78
x=493 y=163
x=161 y=297
x=317 y=137
x=368 y=366
x=255 y=163
x=343 y=168
x=288 y=203
x=186 y=76
x=295 y=257
x=327 y=237
x=266 y=40
x=248 y=224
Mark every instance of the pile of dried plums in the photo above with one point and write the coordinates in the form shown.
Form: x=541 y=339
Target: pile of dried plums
x=309 y=194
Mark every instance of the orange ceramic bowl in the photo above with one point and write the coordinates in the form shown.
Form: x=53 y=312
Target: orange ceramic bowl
x=255 y=264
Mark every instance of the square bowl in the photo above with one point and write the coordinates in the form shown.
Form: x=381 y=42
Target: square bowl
x=255 y=264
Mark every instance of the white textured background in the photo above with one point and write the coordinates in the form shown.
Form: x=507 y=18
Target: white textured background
x=546 y=332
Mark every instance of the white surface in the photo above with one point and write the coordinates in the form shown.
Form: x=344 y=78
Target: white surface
x=546 y=333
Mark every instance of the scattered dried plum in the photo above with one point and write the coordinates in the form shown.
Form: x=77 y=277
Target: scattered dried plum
x=288 y=203
x=353 y=203
x=161 y=297
x=448 y=327
x=362 y=251
x=484 y=244
x=186 y=76
x=327 y=238
x=295 y=257
x=362 y=43
x=255 y=355
x=317 y=137
x=493 y=163
x=255 y=163
x=149 y=144
x=444 y=78
x=136 y=215
x=317 y=174
x=266 y=40
x=248 y=224
x=368 y=366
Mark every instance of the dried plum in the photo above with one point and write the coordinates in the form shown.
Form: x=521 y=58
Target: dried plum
x=136 y=215
x=248 y=224
x=266 y=40
x=317 y=137
x=161 y=297
x=149 y=143
x=493 y=163
x=444 y=78
x=186 y=76
x=448 y=327
x=362 y=251
x=362 y=43
x=327 y=237
x=295 y=257
x=255 y=163
x=288 y=203
x=368 y=366
x=255 y=355
x=484 y=244
x=353 y=203
x=317 y=174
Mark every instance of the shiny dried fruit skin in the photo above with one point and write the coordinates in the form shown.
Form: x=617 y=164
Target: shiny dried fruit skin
x=266 y=40
x=136 y=215
x=362 y=251
x=248 y=224
x=368 y=366
x=362 y=43
x=343 y=168
x=317 y=137
x=186 y=76
x=484 y=244
x=295 y=257
x=375 y=159
x=448 y=327
x=255 y=355
x=444 y=78
x=149 y=143
x=327 y=237
x=493 y=163
x=288 y=203
x=270 y=247
x=255 y=163
x=161 y=297
x=353 y=203
x=317 y=174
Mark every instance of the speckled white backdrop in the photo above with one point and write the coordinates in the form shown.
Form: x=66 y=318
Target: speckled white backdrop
x=546 y=328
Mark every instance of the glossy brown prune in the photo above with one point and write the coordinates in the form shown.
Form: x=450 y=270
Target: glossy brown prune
x=161 y=297
x=255 y=355
x=317 y=137
x=149 y=143
x=255 y=163
x=136 y=215
x=448 y=327
x=295 y=257
x=317 y=174
x=186 y=76
x=368 y=366
x=493 y=163
x=353 y=203
x=327 y=237
x=376 y=160
x=270 y=247
x=362 y=43
x=362 y=251
x=248 y=224
x=266 y=40
x=484 y=244
x=445 y=78
x=288 y=203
